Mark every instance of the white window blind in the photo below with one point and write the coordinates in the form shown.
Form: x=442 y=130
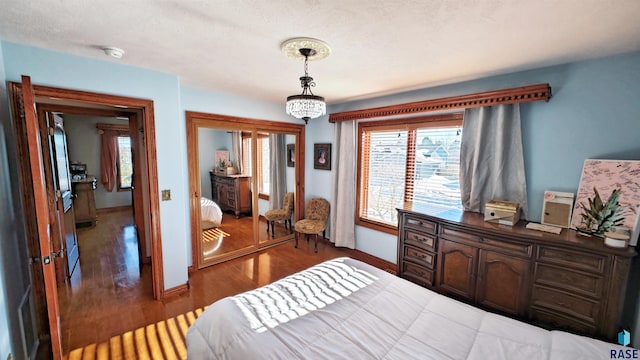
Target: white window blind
x=385 y=163
x=418 y=162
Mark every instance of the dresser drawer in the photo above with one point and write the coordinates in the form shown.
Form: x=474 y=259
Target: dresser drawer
x=573 y=259
x=508 y=247
x=419 y=224
x=224 y=180
x=571 y=305
x=420 y=256
x=563 y=278
x=455 y=235
x=417 y=274
x=420 y=240
x=557 y=321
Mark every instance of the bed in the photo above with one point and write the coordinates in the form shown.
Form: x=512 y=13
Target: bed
x=211 y=214
x=344 y=308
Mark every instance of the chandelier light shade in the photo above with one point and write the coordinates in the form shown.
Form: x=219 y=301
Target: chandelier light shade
x=306 y=105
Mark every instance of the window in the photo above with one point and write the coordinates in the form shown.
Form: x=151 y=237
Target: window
x=415 y=160
x=264 y=173
x=262 y=163
x=125 y=163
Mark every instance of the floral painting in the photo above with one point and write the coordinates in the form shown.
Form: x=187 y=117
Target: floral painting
x=606 y=176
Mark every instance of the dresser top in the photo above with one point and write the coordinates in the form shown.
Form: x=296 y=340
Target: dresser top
x=475 y=221
x=229 y=176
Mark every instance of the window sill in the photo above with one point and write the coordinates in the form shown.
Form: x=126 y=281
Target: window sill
x=378 y=226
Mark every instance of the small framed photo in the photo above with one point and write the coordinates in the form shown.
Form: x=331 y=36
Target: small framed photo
x=291 y=155
x=322 y=156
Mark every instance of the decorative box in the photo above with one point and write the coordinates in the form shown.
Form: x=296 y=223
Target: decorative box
x=502 y=212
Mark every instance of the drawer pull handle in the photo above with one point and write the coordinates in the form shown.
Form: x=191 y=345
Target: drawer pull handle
x=420 y=239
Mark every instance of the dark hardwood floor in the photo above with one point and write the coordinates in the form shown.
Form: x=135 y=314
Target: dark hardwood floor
x=108 y=294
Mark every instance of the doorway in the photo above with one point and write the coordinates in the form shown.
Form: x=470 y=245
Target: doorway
x=141 y=111
x=232 y=162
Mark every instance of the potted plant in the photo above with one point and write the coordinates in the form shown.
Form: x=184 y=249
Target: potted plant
x=599 y=217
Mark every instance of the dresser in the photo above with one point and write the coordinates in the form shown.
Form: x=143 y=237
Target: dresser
x=231 y=192
x=84 y=203
x=564 y=281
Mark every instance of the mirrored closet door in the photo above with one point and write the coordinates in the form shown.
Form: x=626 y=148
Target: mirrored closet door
x=242 y=172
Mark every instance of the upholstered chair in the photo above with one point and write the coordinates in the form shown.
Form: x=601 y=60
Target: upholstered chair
x=315 y=221
x=283 y=214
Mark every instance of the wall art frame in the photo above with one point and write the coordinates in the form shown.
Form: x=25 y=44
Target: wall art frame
x=322 y=156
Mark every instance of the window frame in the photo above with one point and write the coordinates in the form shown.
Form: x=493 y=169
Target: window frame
x=246 y=151
x=404 y=124
x=261 y=138
x=118 y=166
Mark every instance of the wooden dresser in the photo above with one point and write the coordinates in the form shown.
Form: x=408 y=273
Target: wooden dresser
x=560 y=281
x=84 y=203
x=231 y=192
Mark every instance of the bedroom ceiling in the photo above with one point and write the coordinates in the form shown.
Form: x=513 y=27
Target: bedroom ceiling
x=377 y=47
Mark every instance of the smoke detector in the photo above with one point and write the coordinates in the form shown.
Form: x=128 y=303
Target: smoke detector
x=113 y=52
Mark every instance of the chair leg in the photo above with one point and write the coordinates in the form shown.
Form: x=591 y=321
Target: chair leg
x=268 y=226
x=272 y=226
x=315 y=247
x=296 y=236
x=324 y=232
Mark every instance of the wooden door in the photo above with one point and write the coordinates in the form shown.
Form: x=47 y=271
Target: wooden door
x=457 y=275
x=136 y=187
x=26 y=112
x=503 y=282
x=69 y=250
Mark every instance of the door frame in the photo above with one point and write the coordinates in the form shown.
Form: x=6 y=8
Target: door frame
x=32 y=203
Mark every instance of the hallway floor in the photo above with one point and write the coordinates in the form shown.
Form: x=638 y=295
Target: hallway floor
x=108 y=295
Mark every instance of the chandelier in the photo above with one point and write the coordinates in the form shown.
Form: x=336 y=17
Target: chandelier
x=306 y=106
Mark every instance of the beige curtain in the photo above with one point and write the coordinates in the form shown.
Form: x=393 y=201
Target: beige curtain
x=277 y=173
x=491 y=158
x=108 y=159
x=236 y=151
x=343 y=200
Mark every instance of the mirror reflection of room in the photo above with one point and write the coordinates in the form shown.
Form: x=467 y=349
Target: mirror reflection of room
x=226 y=202
x=231 y=183
x=277 y=194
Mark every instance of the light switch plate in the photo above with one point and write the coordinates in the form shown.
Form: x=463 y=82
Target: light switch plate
x=166 y=195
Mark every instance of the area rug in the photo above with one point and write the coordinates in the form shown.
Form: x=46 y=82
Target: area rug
x=162 y=340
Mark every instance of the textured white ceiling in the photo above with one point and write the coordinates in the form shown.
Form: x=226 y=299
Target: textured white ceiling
x=378 y=47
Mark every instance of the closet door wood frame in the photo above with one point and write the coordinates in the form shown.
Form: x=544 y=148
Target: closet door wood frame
x=196 y=120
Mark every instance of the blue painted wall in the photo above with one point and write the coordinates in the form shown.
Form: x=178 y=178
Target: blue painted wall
x=6 y=183
x=73 y=72
x=594 y=113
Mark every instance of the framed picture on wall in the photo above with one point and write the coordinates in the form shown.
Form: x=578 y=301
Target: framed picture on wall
x=291 y=155
x=606 y=176
x=322 y=156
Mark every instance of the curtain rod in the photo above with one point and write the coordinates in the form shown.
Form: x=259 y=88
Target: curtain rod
x=489 y=98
